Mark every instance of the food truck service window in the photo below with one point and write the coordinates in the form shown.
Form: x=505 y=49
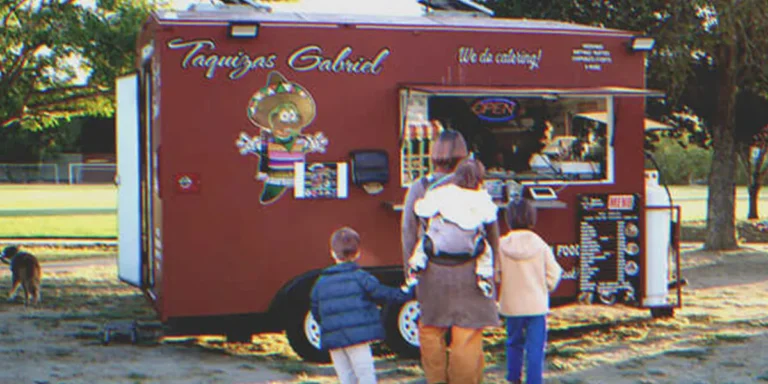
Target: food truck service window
x=525 y=135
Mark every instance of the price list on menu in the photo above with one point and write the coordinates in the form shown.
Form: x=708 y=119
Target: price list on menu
x=609 y=248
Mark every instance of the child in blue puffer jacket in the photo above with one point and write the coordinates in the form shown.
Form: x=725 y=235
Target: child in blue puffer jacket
x=344 y=303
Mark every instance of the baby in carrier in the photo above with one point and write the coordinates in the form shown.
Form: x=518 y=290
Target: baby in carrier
x=455 y=213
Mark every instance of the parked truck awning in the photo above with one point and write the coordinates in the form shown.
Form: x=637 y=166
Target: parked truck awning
x=470 y=90
x=602 y=117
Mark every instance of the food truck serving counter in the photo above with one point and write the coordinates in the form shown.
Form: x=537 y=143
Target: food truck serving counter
x=246 y=137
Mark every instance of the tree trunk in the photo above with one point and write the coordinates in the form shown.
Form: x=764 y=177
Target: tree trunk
x=757 y=175
x=754 y=192
x=721 y=225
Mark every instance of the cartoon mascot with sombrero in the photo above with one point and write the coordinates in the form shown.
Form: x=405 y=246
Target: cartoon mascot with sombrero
x=281 y=109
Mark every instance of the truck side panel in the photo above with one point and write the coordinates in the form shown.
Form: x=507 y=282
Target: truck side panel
x=224 y=251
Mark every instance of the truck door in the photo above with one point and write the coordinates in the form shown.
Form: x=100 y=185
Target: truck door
x=130 y=256
x=138 y=194
x=151 y=203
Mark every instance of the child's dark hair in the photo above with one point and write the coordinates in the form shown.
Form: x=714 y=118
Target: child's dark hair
x=469 y=174
x=345 y=244
x=521 y=214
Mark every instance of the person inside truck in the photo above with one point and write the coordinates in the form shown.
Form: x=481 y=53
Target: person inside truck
x=447 y=292
x=545 y=139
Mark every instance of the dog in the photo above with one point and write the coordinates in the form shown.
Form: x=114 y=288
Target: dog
x=26 y=272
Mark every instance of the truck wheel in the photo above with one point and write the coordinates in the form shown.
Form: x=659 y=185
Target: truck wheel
x=402 y=326
x=303 y=333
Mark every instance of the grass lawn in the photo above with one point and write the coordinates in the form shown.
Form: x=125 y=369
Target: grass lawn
x=59 y=226
x=62 y=196
x=693 y=202
x=94 y=294
x=84 y=211
x=56 y=253
x=47 y=211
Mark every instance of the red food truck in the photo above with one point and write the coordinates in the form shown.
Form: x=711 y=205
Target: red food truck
x=246 y=137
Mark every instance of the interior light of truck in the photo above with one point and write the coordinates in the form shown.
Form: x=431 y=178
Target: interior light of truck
x=243 y=30
x=642 y=43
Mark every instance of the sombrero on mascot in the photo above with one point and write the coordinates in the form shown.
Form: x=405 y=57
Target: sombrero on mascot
x=281 y=109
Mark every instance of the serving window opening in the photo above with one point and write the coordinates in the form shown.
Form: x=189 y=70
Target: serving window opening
x=415 y=152
x=525 y=138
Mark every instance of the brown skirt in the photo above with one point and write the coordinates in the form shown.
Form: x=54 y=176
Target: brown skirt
x=449 y=296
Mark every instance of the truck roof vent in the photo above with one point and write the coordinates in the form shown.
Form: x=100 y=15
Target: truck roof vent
x=456 y=8
x=229 y=5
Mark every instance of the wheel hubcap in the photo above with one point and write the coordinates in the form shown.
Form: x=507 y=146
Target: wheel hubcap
x=407 y=322
x=312 y=330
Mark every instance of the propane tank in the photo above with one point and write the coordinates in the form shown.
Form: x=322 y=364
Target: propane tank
x=657 y=241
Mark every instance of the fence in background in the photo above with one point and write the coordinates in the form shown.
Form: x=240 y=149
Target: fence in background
x=97 y=172
x=23 y=173
x=74 y=173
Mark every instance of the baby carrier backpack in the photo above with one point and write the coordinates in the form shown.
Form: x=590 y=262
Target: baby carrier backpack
x=445 y=239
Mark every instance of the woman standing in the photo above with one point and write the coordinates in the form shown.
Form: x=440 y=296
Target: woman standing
x=447 y=292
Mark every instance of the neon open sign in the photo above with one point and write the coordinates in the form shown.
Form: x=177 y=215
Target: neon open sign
x=495 y=109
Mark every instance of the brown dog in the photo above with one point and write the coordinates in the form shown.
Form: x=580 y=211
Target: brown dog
x=26 y=272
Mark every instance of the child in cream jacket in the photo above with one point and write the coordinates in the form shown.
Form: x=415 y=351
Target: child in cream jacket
x=529 y=272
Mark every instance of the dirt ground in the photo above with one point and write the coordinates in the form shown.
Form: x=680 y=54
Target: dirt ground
x=719 y=336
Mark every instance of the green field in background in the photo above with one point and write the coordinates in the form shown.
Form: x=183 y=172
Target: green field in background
x=90 y=210
x=58 y=210
x=52 y=196
x=693 y=202
x=64 y=226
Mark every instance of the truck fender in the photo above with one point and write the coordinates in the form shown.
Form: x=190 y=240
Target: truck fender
x=285 y=296
x=302 y=284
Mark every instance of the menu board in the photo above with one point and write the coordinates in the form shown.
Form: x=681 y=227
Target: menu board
x=609 y=237
x=320 y=180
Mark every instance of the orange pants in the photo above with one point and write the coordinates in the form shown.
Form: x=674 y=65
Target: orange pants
x=463 y=364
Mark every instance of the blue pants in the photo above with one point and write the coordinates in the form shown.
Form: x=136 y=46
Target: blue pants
x=526 y=336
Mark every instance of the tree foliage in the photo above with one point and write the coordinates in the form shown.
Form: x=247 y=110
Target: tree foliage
x=733 y=51
x=706 y=52
x=59 y=58
x=681 y=164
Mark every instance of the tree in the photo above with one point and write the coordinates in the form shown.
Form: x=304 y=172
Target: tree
x=752 y=142
x=706 y=51
x=59 y=58
x=753 y=157
x=735 y=50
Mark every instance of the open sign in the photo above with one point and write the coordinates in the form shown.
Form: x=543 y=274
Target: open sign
x=495 y=109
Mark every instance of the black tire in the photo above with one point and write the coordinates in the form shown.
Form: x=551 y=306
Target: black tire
x=401 y=325
x=303 y=335
x=662 y=312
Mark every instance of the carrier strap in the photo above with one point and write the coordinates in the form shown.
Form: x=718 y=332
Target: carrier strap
x=430 y=182
x=447 y=258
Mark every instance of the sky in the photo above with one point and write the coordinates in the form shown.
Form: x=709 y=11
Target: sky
x=381 y=7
